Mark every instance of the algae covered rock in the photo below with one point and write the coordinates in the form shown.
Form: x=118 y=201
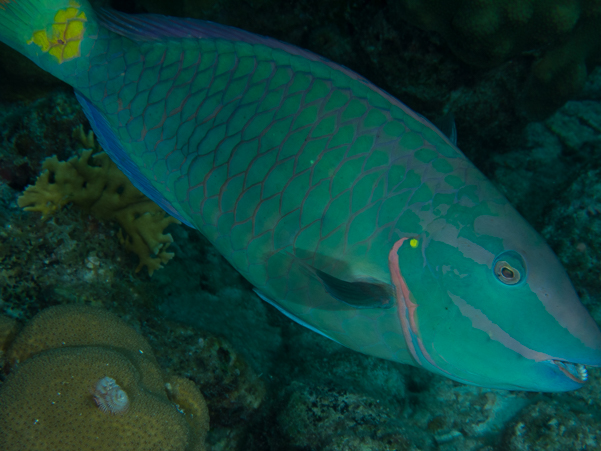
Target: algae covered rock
x=548 y=427
x=233 y=391
x=563 y=35
x=574 y=230
x=318 y=417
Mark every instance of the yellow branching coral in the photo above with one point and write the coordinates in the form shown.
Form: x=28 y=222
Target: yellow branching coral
x=95 y=184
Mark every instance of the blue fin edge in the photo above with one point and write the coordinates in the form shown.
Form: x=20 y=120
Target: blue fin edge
x=294 y=318
x=111 y=145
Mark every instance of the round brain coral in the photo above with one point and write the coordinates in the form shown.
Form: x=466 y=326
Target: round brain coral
x=86 y=381
x=185 y=394
x=75 y=325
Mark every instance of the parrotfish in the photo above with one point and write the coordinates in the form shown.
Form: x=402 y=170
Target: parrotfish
x=347 y=211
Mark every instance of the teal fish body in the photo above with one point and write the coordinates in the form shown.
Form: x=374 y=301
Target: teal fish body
x=346 y=210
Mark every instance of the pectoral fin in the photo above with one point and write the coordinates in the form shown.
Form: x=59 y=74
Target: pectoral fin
x=446 y=124
x=360 y=294
x=341 y=289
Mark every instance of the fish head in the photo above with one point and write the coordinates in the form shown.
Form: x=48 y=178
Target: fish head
x=488 y=303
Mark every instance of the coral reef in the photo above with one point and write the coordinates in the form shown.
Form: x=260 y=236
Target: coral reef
x=548 y=158
x=58 y=360
x=185 y=395
x=70 y=258
x=72 y=325
x=230 y=387
x=8 y=330
x=29 y=132
x=486 y=33
x=574 y=229
x=95 y=184
x=332 y=419
x=233 y=392
x=563 y=429
x=47 y=405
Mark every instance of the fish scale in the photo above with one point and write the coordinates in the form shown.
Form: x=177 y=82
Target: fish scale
x=267 y=137
x=347 y=211
x=321 y=135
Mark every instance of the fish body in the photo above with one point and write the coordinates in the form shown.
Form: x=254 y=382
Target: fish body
x=346 y=210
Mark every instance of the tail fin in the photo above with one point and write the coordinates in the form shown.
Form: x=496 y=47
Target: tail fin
x=49 y=32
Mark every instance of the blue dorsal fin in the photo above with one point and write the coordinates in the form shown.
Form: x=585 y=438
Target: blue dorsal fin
x=154 y=27
x=111 y=145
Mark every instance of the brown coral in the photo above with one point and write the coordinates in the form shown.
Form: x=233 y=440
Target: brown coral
x=48 y=400
x=74 y=325
x=95 y=184
x=563 y=33
x=185 y=395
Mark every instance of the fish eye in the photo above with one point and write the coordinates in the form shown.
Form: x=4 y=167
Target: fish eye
x=509 y=268
x=506 y=273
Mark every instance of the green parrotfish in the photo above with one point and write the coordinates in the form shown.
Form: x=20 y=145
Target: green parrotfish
x=346 y=210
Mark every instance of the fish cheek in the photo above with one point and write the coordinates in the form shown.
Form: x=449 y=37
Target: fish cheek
x=419 y=296
x=448 y=334
x=443 y=338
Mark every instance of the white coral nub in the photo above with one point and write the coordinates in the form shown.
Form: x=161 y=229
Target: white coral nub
x=110 y=397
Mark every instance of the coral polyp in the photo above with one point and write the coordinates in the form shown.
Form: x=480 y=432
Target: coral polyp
x=110 y=397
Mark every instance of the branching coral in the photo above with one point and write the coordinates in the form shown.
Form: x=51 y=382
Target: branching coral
x=563 y=33
x=95 y=184
x=64 y=362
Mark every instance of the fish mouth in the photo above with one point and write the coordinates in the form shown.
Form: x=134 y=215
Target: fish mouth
x=575 y=371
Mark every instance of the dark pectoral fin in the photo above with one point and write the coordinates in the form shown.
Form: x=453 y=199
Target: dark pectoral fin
x=446 y=124
x=358 y=294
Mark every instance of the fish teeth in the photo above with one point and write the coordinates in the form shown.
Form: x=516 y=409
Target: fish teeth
x=575 y=371
x=582 y=373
